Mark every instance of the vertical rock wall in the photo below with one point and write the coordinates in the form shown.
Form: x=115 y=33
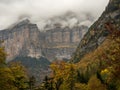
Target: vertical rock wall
x=24 y=39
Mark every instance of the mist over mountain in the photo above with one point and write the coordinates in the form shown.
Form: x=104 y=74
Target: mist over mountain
x=45 y=12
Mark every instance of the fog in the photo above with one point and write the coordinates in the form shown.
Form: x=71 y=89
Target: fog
x=49 y=12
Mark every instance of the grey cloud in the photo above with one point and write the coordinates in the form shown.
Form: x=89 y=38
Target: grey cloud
x=44 y=12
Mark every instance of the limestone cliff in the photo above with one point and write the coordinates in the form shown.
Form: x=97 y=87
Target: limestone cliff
x=21 y=40
x=61 y=42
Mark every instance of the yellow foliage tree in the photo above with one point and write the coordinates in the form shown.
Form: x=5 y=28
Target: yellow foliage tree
x=13 y=77
x=64 y=75
x=95 y=84
x=6 y=77
x=20 y=75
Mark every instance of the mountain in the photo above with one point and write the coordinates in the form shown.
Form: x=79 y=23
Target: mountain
x=97 y=59
x=25 y=39
x=97 y=33
x=35 y=49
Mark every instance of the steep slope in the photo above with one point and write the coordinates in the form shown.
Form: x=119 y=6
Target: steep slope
x=97 y=32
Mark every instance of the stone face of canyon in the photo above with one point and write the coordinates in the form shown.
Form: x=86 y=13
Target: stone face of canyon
x=60 y=43
x=25 y=39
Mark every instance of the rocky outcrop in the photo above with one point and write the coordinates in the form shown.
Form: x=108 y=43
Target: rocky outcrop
x=97 y=32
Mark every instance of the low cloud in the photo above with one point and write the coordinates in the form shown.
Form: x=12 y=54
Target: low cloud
x=43 y=12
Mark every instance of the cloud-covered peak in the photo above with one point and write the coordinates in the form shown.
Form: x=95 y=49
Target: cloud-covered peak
x=41 y=11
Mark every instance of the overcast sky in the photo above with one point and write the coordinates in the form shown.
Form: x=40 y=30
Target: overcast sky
x=38 y=11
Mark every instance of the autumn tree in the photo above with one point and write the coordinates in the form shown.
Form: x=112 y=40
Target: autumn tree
x=6 y=77
x=19 y=73
x=64 y=75
x=70 y=77
x=95 y=84
x=58 y=73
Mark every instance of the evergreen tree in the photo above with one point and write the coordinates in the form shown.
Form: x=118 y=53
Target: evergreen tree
x=32 y=81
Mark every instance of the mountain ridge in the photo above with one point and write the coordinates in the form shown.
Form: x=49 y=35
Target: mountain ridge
x=25 y=39
x=97 y=32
